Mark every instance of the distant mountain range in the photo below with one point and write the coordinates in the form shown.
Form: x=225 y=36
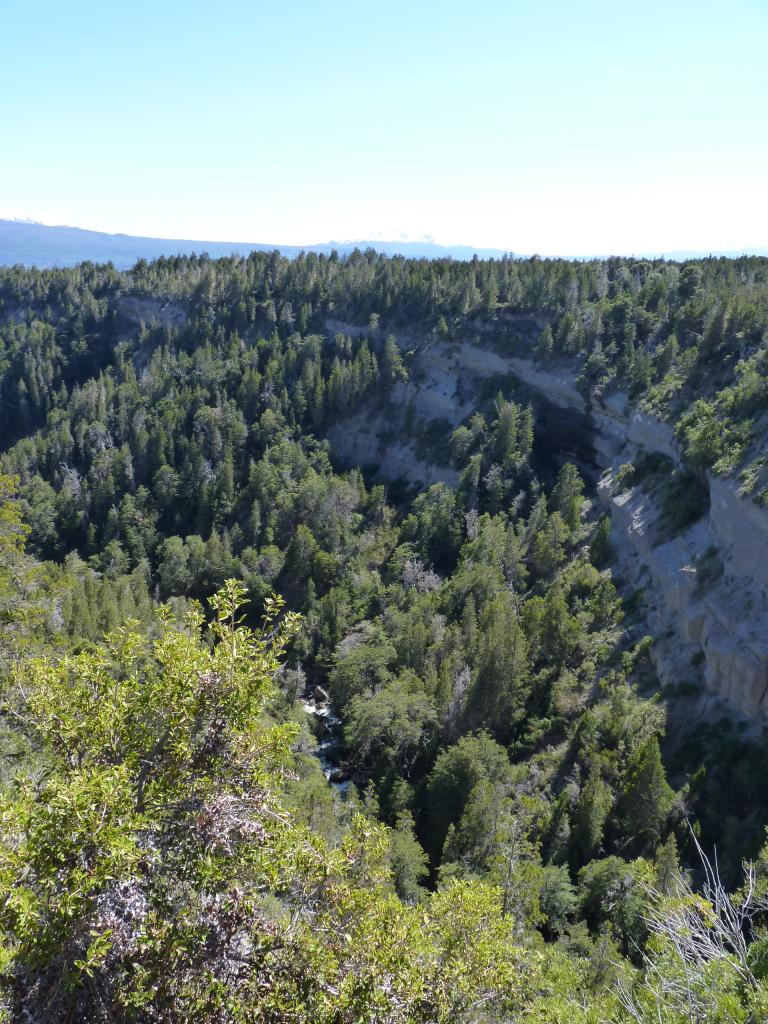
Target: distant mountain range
x=40 y=245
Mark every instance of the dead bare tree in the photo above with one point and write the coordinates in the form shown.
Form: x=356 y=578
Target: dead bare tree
x=698 y=929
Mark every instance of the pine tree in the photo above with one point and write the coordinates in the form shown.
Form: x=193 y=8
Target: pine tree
x=590 y=814
x=567 y=496
x=668 y=876
x=409 y=861
x=545 y=344
x=392 y=368
x=647 y=798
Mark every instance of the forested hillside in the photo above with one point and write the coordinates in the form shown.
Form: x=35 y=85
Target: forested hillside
x=512 y=830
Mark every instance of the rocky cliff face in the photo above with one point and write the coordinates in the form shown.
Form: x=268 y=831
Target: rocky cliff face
x=705 y=591
x=443 y=387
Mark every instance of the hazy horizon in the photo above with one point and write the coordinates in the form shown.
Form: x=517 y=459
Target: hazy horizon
x=388 y=239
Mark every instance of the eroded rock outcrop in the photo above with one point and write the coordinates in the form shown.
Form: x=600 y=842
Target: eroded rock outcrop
x=707 y=617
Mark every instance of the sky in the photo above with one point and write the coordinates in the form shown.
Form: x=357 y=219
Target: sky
x=570 y=127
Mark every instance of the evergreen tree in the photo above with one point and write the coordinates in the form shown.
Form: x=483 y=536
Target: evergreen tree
x=646 y=799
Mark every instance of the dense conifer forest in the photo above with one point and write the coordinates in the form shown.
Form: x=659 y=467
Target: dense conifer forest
x=285 y=740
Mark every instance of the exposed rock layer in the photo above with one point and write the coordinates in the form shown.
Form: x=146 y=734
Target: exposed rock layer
x=709 y=626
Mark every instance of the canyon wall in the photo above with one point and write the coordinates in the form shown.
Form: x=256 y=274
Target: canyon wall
x=704 y=590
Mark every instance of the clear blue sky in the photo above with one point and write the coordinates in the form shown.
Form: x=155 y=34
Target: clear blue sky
x=569 y=126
